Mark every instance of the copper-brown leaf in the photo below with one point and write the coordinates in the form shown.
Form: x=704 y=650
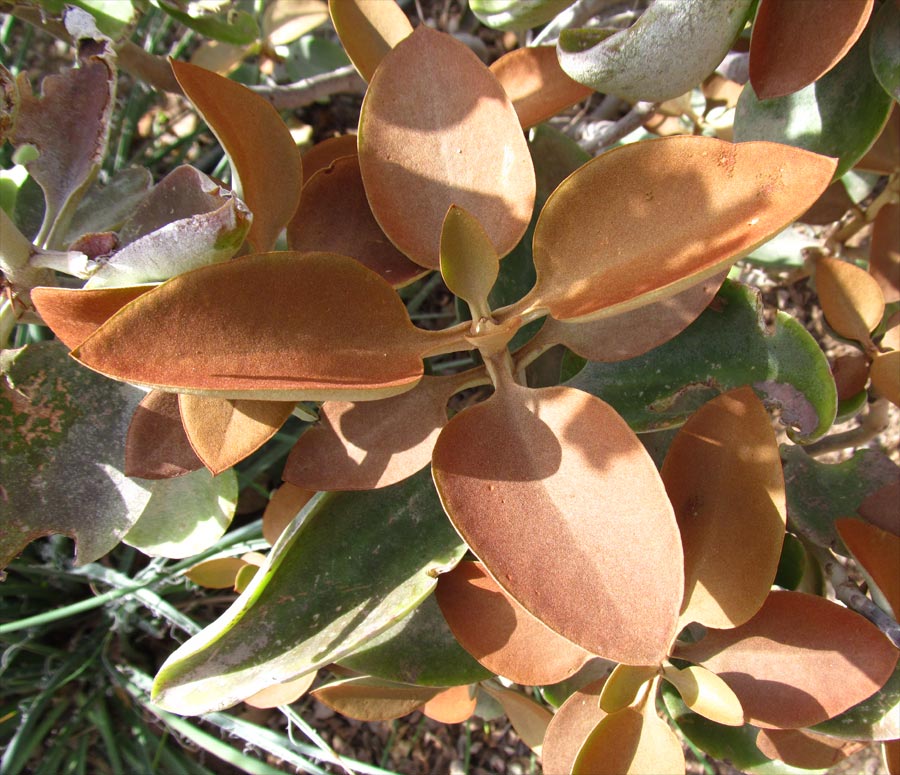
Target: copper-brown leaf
x=878 y=552
x=805 y=749
x=502 y=635
x=694 y=206
x=156 y=446
x=885 y=373
x=572 y=723
x=535 y=83
x=437 y=129
x=224 y=431
x=451 y=706
x=259 y=146
x=795 y=43
x=882 y=508
x=884 y=254
x=724 y=478
x=284 y=504
x=334 y=215
x=218 y=573
x=567 y=486
x=322 y=154
x=328 y=327
x=283 y=693
x=74 y=315
x=799 y=661
x=368 y=30
x=371 y=699
x=529 y=718
x=851 y=298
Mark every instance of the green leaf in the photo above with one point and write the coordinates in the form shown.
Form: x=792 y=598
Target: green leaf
x=235 y=27
x=792 y=563
x=726 y=347
x=419 y=649
x=884 y=53
x=351 y=566
x=839 y=115
x=186 y=514
x=876 y=718
x=819 y=493
x=517 y=14
x=62 y=454
x=112 y=16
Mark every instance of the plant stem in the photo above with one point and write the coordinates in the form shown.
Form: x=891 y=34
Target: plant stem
x=874 y=422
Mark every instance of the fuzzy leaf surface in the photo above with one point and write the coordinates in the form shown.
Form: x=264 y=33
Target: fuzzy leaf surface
x=368 y=30
x=156 y=446
x=875 y=718
x=571 y=724
x=353 y=566
x=885 y=374
x=850 y=297
x=707 y=694
x=877 y=551
x=802 y=748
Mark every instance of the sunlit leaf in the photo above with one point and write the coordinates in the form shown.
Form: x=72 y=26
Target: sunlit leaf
x=286 y=20
x=710 y=202
x=528 y=718
x=259 y=147
x=569 y=473
x=876 y=718
x=819 y=493
x=331 y=328
x=884 y=253
x=728 y=346
x=437 y=129
x=850 y=297
x=156 y=446
x=368 y=30
x=353 y=566
x=802 y=748
x=665 y=53
x=451 y=706
x=877 y=551
x=778 y=65
x=221 y=58
x=536 y=84
x=517 y=14
x=283 y=693
x=469 y=263
x=218 y=573
x=885 y=373
x=571 y=724
x=799 y=661
x=631 y=742
x=62 y=454
x=839 y=115
x=624 y=685
x=233 y=26
x=707 y=694
x=224 y=431
x=322 y=154
x=284 y=504
x=879 y=508
x=373 y=699
x=502 y=635
x=723 y=475
x=883 y=51
x=334 y=215
x=419 y=649
x=185 y=515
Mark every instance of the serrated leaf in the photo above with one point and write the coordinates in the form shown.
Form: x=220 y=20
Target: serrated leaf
x=356 y=564
x=711 y=202
x=502 y=635
x=372 y=699
x=839 y=115
x=883 y=52
x=332 y=328
x=233 y=26
x=778 y=66
x=850 y=297
x=624 y=685
x=437 y=129
x=259 y=147
x=517 y=14
x=885 y=373
x=876 y=551
x=536 y=84
x=728 y=346
x=707 y=694
x=224 y=431
x=665 y=53
x=451 y=706
x=419 y=649
x=570 y=726
x=63 y=446
x=469 y=263
x=334 y=215
x=819 y=493
x=368 y=30
x=569 y=474
x=528 y=718
x=798 y=662
x=156 y=446
x=801 y=748
x=723 y=476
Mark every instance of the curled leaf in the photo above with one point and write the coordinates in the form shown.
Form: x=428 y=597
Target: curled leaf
x=517 y=14
x=156 y=446
x=368 y=30
x=707 y=694
x=624 y=685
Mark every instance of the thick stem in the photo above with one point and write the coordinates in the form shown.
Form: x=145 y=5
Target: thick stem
x=874 y=422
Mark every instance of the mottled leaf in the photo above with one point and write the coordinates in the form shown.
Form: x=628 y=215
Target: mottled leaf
x=419 y=649
x=883 y=50
x=283 y=693
x=707 y=694
x=224 y=431
x=819 y=493
x=451 y=706
x=259 y=147
x=62 y=454
x=885 y=373
x=850 y=297
x=839 y=115
x=469 y=263
x=156 y=446
x=710 y=202
x=624 y=685
x=723 y=475
x=284 y=504
x=331 y=327
x=536 y=84
x=825 y=31
x=802 y=748
x=572 y=723
x=884 y=252
x=334 y=215
x=185 y=515
x=437 y=129
x=517 y=14
x=798 y=662
x=665 y=53
x=218 y=573
x=527 y=717
x=368 y=30
x=502 y=635
x=876 y=551
x=372 y=699
x=569 y=473
x=728 y=346
x=355 y=564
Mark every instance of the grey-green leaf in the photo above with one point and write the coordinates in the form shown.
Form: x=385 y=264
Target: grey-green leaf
x=517 y=14
x=884 y=48
x=840 y=115
x=728 y=346
x=665 y=53
x=350 y=566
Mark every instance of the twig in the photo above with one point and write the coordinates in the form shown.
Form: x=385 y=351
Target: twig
x=860 y=218
x=574 y=16
x=875 y=421
x=596 y=136
x=852 y=596
x=308 y=90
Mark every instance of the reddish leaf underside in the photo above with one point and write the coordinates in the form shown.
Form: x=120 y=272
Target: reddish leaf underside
x=802 y=659
x=549 y=488
x=851 y=298
x=322 y=154
x=884 y=255
x=368 y=30
x=371 y=699
x=437 y=129
x=329 y=328
x=693 y=205
x=877 y=551
x=284 y=504
x=795 y=43
x=572 y=723
x=451 y=706
x=502 y=635
x=801 y=748
x=156 y=446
